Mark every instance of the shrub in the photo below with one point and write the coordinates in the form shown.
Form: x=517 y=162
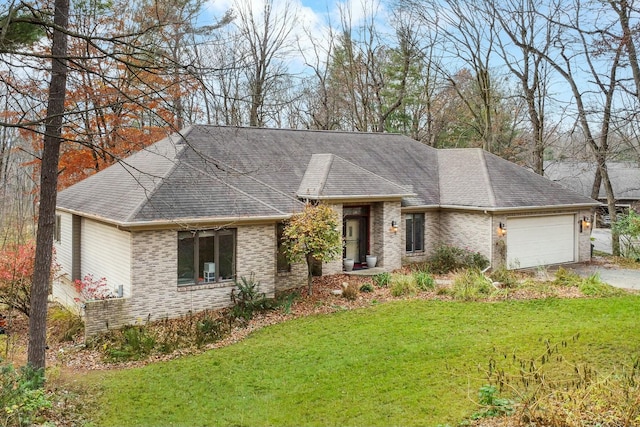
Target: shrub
x=285 y=301
x=492 y=405
x=64 y=324
x=471 y=285
x=366 y=287
x=382 y=280
x=132 y=342
x=592 y=286
x=564 y=277
x=450 y=258
x=350 y=291
x=209 y=329
x=247 y=298
x=424 y=281
x=21 y=395
x=91 y=289
x=402 y=284
x=505 y=277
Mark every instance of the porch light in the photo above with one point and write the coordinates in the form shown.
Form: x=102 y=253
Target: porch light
x=584 y=223
x=502 y=229
x=394 y=227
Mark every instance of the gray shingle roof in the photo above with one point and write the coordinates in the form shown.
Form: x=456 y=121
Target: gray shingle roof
x=218 y=173
x=578 y=176
x=331 y=177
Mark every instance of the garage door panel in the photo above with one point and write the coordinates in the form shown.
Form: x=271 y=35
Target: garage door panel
x=533 y=241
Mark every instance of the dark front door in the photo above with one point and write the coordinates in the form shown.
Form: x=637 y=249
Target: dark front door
x=355 y=230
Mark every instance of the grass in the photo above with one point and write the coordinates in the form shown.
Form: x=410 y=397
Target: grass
x=403 y=363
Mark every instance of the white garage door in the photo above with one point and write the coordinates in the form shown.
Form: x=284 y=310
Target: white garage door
x=540 y=240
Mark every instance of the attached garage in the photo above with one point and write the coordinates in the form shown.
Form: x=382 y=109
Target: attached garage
x=540 y=240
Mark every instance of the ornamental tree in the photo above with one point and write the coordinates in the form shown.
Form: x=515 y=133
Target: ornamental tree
x=313 y=235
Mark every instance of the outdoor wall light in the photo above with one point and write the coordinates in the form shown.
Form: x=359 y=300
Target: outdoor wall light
x=502 y=229
x=394 y=227
x=584 y=223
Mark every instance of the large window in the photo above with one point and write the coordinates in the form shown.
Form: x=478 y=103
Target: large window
x=414 y=224
x=206 y=256
x=283 y=264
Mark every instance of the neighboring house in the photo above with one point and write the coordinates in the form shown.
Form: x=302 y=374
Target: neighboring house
x=172 y=226
x=579 y=176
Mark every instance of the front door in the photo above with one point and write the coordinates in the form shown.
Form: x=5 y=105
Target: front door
x=355 y=232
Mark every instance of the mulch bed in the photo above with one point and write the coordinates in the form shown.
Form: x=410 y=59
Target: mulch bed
x=75 y=357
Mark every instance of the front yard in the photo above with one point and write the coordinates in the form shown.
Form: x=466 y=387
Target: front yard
x=417 y=358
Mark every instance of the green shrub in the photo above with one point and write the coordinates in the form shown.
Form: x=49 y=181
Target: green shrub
x=21 y=396
x=593 y=286
x=350 y=291
x=64 y=325
x=247 y=299
x=285 y=301
x=450 y=258
x=492 y=405
x=424 y=281
x=132 y=342
x=402 y=284
x=505 y=277
x=471 y=285
x=382 y=280
x=366 y=287
x=564 y=277
x=209 y=329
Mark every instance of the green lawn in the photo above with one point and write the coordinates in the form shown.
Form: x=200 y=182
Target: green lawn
x=402 y=363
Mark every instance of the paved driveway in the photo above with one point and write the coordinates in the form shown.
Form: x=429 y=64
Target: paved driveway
x=609 y=273
x=618 y=277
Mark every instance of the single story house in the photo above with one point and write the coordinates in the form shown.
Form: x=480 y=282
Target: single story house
x=173 y=225
x=579 y=177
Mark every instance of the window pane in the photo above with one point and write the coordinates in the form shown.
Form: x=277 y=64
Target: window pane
x=409 y=233
x=226 y=256
x=185 y=257
x=418 y=232
x=206 y=255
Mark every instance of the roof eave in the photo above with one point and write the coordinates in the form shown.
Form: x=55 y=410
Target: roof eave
x=180 y=222
x=521 y=208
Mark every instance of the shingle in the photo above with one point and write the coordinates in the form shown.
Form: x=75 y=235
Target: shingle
x=222 y=172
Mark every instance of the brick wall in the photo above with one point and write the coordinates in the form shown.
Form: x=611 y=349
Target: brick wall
x=155 y=293
x=468 y=230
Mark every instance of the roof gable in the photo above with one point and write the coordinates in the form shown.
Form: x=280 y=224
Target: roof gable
x=329 y=176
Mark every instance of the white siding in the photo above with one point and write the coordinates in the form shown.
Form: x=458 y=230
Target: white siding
x=106 y=252
x=63 y=247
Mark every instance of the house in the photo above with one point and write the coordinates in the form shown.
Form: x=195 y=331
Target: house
x=579 y=177
x=170 y=227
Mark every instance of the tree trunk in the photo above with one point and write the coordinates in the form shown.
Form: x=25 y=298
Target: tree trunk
x=48 y=189
x=310 y=273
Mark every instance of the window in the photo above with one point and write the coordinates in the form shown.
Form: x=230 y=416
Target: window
x=206 y=256
x=283 y=265
x=414 y=224
x=57 y=232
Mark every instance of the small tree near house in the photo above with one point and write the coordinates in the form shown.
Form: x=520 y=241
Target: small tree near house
x=313 y=234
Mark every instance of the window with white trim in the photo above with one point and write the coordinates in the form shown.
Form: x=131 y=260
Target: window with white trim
x=206 y=256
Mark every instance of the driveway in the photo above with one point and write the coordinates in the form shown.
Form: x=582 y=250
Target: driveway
x=609 y=273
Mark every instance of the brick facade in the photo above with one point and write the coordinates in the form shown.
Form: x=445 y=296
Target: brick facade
x=155 y=293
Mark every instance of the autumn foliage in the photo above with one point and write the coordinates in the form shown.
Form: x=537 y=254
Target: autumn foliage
x=16 y=269
x=313 y=235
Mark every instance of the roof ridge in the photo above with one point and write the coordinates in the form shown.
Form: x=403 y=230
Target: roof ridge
x=485 y=172
x=148 y=193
